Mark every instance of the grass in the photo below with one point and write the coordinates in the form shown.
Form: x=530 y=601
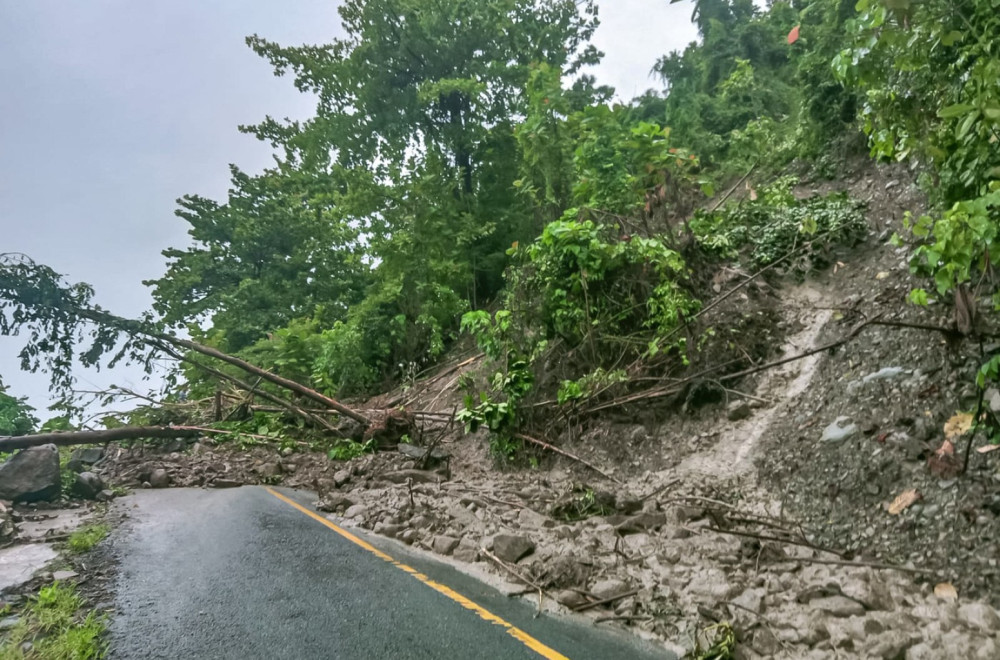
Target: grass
x=56 y=628
x=85 y=538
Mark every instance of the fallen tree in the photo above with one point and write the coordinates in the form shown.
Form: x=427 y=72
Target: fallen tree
x=66 y=438
x=59 y=316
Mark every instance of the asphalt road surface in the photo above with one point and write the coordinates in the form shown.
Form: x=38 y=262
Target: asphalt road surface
x=252 y=573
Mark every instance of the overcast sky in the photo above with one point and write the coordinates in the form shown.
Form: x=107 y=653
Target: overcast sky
x=112 y=109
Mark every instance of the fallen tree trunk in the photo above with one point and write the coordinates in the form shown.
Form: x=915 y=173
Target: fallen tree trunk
x=66 y=438
x=158 y=338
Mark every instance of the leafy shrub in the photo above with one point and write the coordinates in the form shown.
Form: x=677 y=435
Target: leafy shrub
x=774 y=224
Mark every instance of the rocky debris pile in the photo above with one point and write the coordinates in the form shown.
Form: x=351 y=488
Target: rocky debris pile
x=661 y=562
x=31 y=475
x=210 y=465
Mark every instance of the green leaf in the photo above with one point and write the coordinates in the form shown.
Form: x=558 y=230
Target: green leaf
x=918 y=297
x=957 y=110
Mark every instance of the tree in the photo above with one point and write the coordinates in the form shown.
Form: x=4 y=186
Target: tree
x=279 y=248
x=15 y=415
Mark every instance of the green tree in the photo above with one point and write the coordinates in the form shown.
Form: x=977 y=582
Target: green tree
x=278 y=249
x=15 y=414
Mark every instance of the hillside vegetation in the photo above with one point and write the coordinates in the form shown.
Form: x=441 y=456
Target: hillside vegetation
x=464 y=174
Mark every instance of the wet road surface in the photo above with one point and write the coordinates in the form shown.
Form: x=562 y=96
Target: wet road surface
x=251 y=573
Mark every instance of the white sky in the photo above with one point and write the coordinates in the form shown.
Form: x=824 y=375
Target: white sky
x=112 y=109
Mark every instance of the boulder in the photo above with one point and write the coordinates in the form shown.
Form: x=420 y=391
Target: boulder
x=88 y=485
x=511 y=548
x=159 y=478
x=31 y=475
x=341 y=477
x=444 y=545
x=83 y=458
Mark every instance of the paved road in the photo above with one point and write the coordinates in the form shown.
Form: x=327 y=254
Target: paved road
x=248 y=573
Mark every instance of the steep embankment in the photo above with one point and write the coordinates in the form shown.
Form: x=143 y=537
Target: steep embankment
x=769 y=510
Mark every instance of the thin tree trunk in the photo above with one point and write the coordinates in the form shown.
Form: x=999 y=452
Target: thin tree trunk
x=64 y=438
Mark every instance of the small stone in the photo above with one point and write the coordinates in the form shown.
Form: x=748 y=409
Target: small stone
x=467 y=551
x=529 y=518
x=59 y=576
x=444 y=545
x=838 y=606
x=355 y=511
x=840 y=430
x=88 y=485
x=980 y=616
x=571 y=599
x=511 y=548
x=738 y=410
x=341 y=477
x=227 y=483
x=389 y=530
x=159 y=478
x=8 y=622
x=992 y=399
x=643 y=522
x=106 y=495
x=408 y=536
x=269 y=470
x=334 y=502
x=608 y=588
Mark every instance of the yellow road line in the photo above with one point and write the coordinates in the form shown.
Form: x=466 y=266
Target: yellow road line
x=486 y=615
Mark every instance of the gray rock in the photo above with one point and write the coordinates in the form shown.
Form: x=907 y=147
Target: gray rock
x=341 y=477
x=738 y=410
x=571 y=599
x=9 y=622
x=643 y=522
x=159 y=478
x=226 y=483
x=408 y=536
x=356 y=511
x=886 y=373
x=511 y=548
x=608 y=587
x=838 y=606
x=334 y=503
x=105 y=495
x=83 y=458
x=444 y=545
x=893 y=644
x=529 y=518
x=88 y=485
x=467 y=551
x=269 y=470
x=840 y=430
x=59 y=576
x=387 y=529
x=980 y=616
x=31 y=475
x=992 y=399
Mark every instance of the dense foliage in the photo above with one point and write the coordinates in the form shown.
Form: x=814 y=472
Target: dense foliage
x=462 y=171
